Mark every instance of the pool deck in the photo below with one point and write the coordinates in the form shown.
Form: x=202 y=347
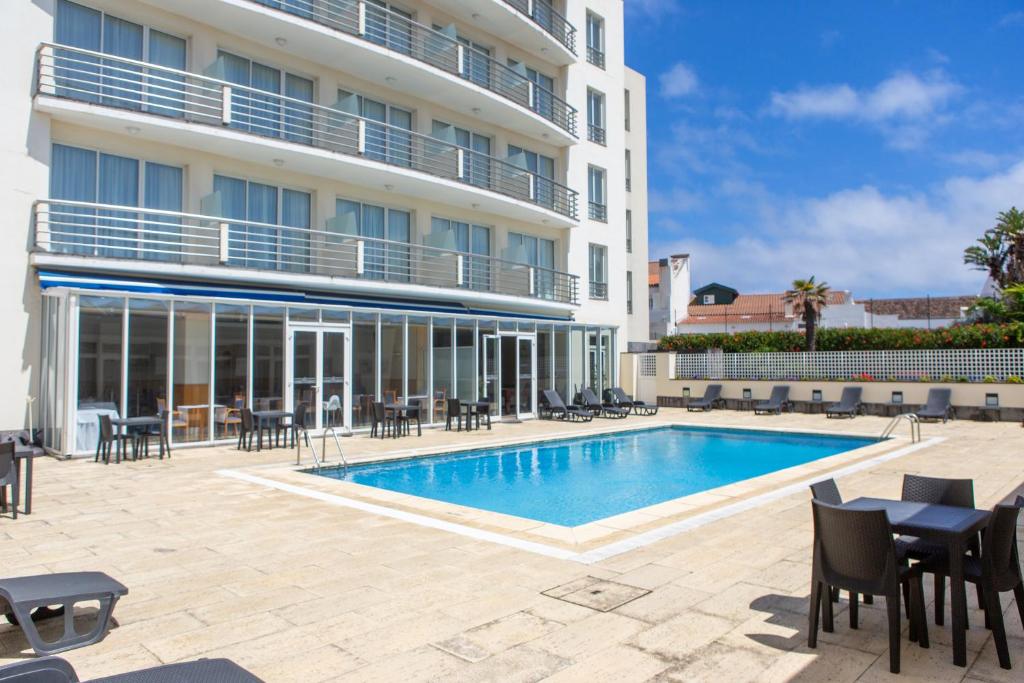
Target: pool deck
x=301 y=578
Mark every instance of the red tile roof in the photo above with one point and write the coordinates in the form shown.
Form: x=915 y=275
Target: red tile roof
x=749 y=308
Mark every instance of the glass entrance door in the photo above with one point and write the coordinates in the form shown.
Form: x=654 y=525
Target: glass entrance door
x=526 y=362
x=489 y=370
x=319 y=368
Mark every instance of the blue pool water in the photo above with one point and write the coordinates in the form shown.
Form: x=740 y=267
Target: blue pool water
x=574 y=481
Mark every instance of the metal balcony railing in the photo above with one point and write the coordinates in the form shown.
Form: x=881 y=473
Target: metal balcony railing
x=599 y=290
x=106 y=231
x=596 y=134
x=147 y=88
x=397 y=32
x=595 y=57
x=598 y=212
x=544 y=15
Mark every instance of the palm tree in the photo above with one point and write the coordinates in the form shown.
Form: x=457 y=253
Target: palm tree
x=808 y=298
x=1000 y=251
x=989 y=255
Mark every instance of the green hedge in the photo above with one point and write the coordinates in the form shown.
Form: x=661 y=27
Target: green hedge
x=853 y=339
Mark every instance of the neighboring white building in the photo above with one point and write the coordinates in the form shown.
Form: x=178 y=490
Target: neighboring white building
x=227 y=203
x=668 y=293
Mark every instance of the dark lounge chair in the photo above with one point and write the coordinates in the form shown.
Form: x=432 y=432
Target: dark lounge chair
x=776 y=403
x=594 y=405
x=57 y=670
x=552 y=404
x=29 y=598
x=849 y=403
x=623 y=400
x=712 y=399
x=854 y=551
x=938 y=407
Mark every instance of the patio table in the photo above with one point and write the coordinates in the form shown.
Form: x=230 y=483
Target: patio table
x=274 y=417
x=26 y=454
x=473 y=408
x=950 y=526
x=397 y=408
x=123 y=423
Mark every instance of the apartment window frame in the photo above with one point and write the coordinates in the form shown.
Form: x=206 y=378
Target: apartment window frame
x=595 y=39
x=708 y=299
x=629 y=292
x=597 y=193
x=394 y=262
x=629 y=170
x=598 y=271
x=597 y=117
x=626 y=108
x=629 y=231
x=277 y=129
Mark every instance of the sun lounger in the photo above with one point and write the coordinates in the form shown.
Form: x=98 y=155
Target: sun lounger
x=776 y=403
x=57 y=670
x=26 y=594
x=938 y=406
x=712 y=399
x=554 y=405
x=594 y=405
x=849 y=403
x=623 y=400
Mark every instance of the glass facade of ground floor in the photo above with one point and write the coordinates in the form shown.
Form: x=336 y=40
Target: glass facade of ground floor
x=197 y=360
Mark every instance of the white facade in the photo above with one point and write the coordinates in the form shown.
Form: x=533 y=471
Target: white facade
x=669 y=298
x=395 y=109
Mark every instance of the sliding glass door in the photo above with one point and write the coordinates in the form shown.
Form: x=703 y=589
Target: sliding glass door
x=319 y=368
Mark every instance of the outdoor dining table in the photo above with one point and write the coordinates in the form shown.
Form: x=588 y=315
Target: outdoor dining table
x=273 y=417
x=473 y=408
x=397 y=408
x=26 y=454
x=123 y=423
x=950 y=526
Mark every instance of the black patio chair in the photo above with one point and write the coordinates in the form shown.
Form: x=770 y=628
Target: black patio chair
x=109 y=438
x=776 y=403
x=938 y=491
x=712 y=399
x=9 y=477
x=594 y=405
x=405 y=420
x=380 y=419
x=57 y=670
x=854 y=551
x=298 y=424
x=246 y=429
x=483 y=407
x=29 y=599
x=938 y=407
x=453 y=411
x=849 y=403
x=996 y=571
x=827 y=492
x=618 y=397
x=556 y=406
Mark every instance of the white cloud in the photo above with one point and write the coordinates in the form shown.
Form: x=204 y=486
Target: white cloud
x=652 y=8
x=679 y=81
x=861 y=239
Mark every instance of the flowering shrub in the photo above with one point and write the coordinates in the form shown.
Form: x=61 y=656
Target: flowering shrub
x=980 y=336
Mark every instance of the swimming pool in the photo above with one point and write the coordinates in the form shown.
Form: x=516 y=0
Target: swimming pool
x=574 y=481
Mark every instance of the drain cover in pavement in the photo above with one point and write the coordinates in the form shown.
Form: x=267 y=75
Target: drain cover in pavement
x=597 y=594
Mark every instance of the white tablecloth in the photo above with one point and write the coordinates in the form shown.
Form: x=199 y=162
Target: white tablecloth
x=87 y=436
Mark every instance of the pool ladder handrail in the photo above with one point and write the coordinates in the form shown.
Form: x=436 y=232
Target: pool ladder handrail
x=915 y=426
x=318 y=462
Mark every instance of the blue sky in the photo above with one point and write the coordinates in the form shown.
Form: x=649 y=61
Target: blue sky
x=864 y=143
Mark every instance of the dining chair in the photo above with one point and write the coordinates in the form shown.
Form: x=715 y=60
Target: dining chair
x=454 y=412
x=440 y=403
x=9 y=477
x=246 y=430
x=109 y=437
x=380 y=419
x=827 y=492
x=854 y=551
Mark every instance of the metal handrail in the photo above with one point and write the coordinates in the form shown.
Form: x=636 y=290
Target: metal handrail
x=122 y=83
x=548 y=18
x=400 y=34
x=138 y=233
x=318 y=461
x=915 y=426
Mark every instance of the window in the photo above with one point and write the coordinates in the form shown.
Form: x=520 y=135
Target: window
x=385 y=256
x=708 y=299
x=629 y=292
x=267 y=114
x=476 y=163
x=469 y=239
x=117 y=84
x=386 y=139
x=543 y=100
x=629 y=231
x=84 y=175
x=595 y=117
x=595 y=40
x=263 y=240
x=626 y=106
x=596 y=188
x=385 y=25
x=539 y=252
x=541 y=166
x=598 y=271
x=629 y=172
x=478 y=62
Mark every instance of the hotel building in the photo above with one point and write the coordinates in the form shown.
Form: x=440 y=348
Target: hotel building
x=268 y=203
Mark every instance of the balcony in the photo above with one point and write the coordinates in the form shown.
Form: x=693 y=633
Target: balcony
x=129 y=239
x=596 y=134
x=595 y=57
x=598 y=212
x=599 y=290
x=179 y=107
x=391 y=49
x=544 y=15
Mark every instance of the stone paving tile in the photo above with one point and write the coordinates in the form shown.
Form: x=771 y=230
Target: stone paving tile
x=300 y=590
